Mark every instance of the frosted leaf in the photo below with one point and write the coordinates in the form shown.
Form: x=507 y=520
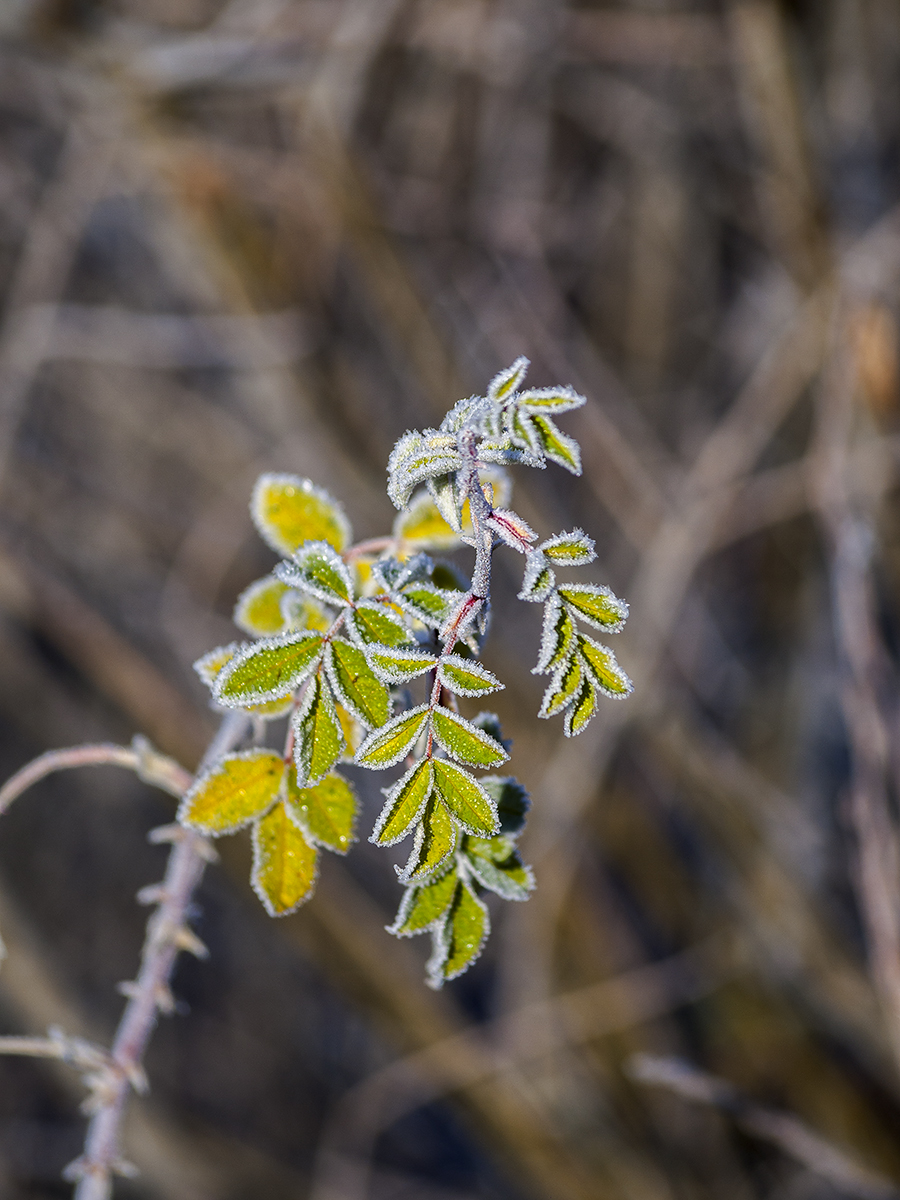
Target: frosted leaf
x=505 y=382
x=539 y=578
x=557 y=637
x=284 y=863
x=239 y=788
x=602 y=669
x=466 y=677
x=459 y=943
x=289 y=511
x=550 y=401
x=258 y=609
x=355 y=684
x=507 y=450
x=326 y=813
x=562 y=688
x=582 y=711
x=524 y=434
x=573 y=549
x=301 y=611
x=465 y=799
x=316 y=568
x=422 y=523
x=427 y=603
x=464 y=414
x=318 y=737
x=211 y=663
x=393 y=574
x=557 y=446
x=373 y=623
x=423 y=906
x=399 y=665
x=464 y=741
x=496 y=865
x=435 y=840
x=417 y=457
x=512 y=529
x=595 y=605
x=393 y=741
x=353 y=730
x=404 y=804
x=267 y=670
x=512 y=801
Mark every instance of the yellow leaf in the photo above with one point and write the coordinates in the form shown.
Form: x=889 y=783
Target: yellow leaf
x=236 y=790
x=284 y=863
x=289 y=511
x=258 y=608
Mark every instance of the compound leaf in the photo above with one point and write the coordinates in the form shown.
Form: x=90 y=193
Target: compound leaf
x=371 y=623
x=239 y=788
x=318 y=738
x=459 y=942
x=436 y=838
x=404 y=804
x=400 y=665
x=464 y=741
x=421 y=907
x=356 y=685
x=573 y=549
x=602 y=669
x=267 y=670
x=595 y=605
x=318 y=569
x=466 y=677
x=393 y=741
x=557 y=446
x=465 y=798
x=289 y=511
x=258 y=609
x=284 y=863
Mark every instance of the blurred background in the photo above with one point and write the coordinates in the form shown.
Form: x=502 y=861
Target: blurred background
x=274 y=234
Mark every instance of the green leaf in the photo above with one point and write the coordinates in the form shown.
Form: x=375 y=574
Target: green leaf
x=539 y=578
x=258 y=608
x=573 y=549
x=371 y=623
x=458 y=943
x=557 y=638
x=602 y=669
x=512 y=801
x=466 y=677
x=595 y=605
x=547 y=401
x=393 y=741
x=404 y=804
x=436 y=838
x=466 y=800
x=557 y=446
x=267 y=669
x=429 y=604
x=326 y=813
x=421 y=907
x=355 y=684
x=463 y=741
x=289 y=511
x=233 y=793
x=318 y=738
x=317 y=569
x=582 y=711
x=505 y=382
x=400 y=665
x=563 y=688
x=284 y=863
x=496 y=865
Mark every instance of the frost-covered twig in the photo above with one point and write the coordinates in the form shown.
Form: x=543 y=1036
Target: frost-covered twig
x=167 y=933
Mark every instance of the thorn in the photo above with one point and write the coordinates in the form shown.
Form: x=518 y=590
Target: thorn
x=128 y=988
x=154 y=893
x=165 y=1001
x=77 y=1169
x=137 y=1077
x=185 y=939
x=207 y=851
x=166 y=833
x=125 y=1169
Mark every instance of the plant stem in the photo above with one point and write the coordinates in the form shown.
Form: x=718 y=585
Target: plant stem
x=165 y=937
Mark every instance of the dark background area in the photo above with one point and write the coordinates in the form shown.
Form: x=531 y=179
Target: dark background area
x=273 y=235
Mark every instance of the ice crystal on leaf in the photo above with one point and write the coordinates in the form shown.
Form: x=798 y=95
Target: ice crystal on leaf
x=366 y=649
